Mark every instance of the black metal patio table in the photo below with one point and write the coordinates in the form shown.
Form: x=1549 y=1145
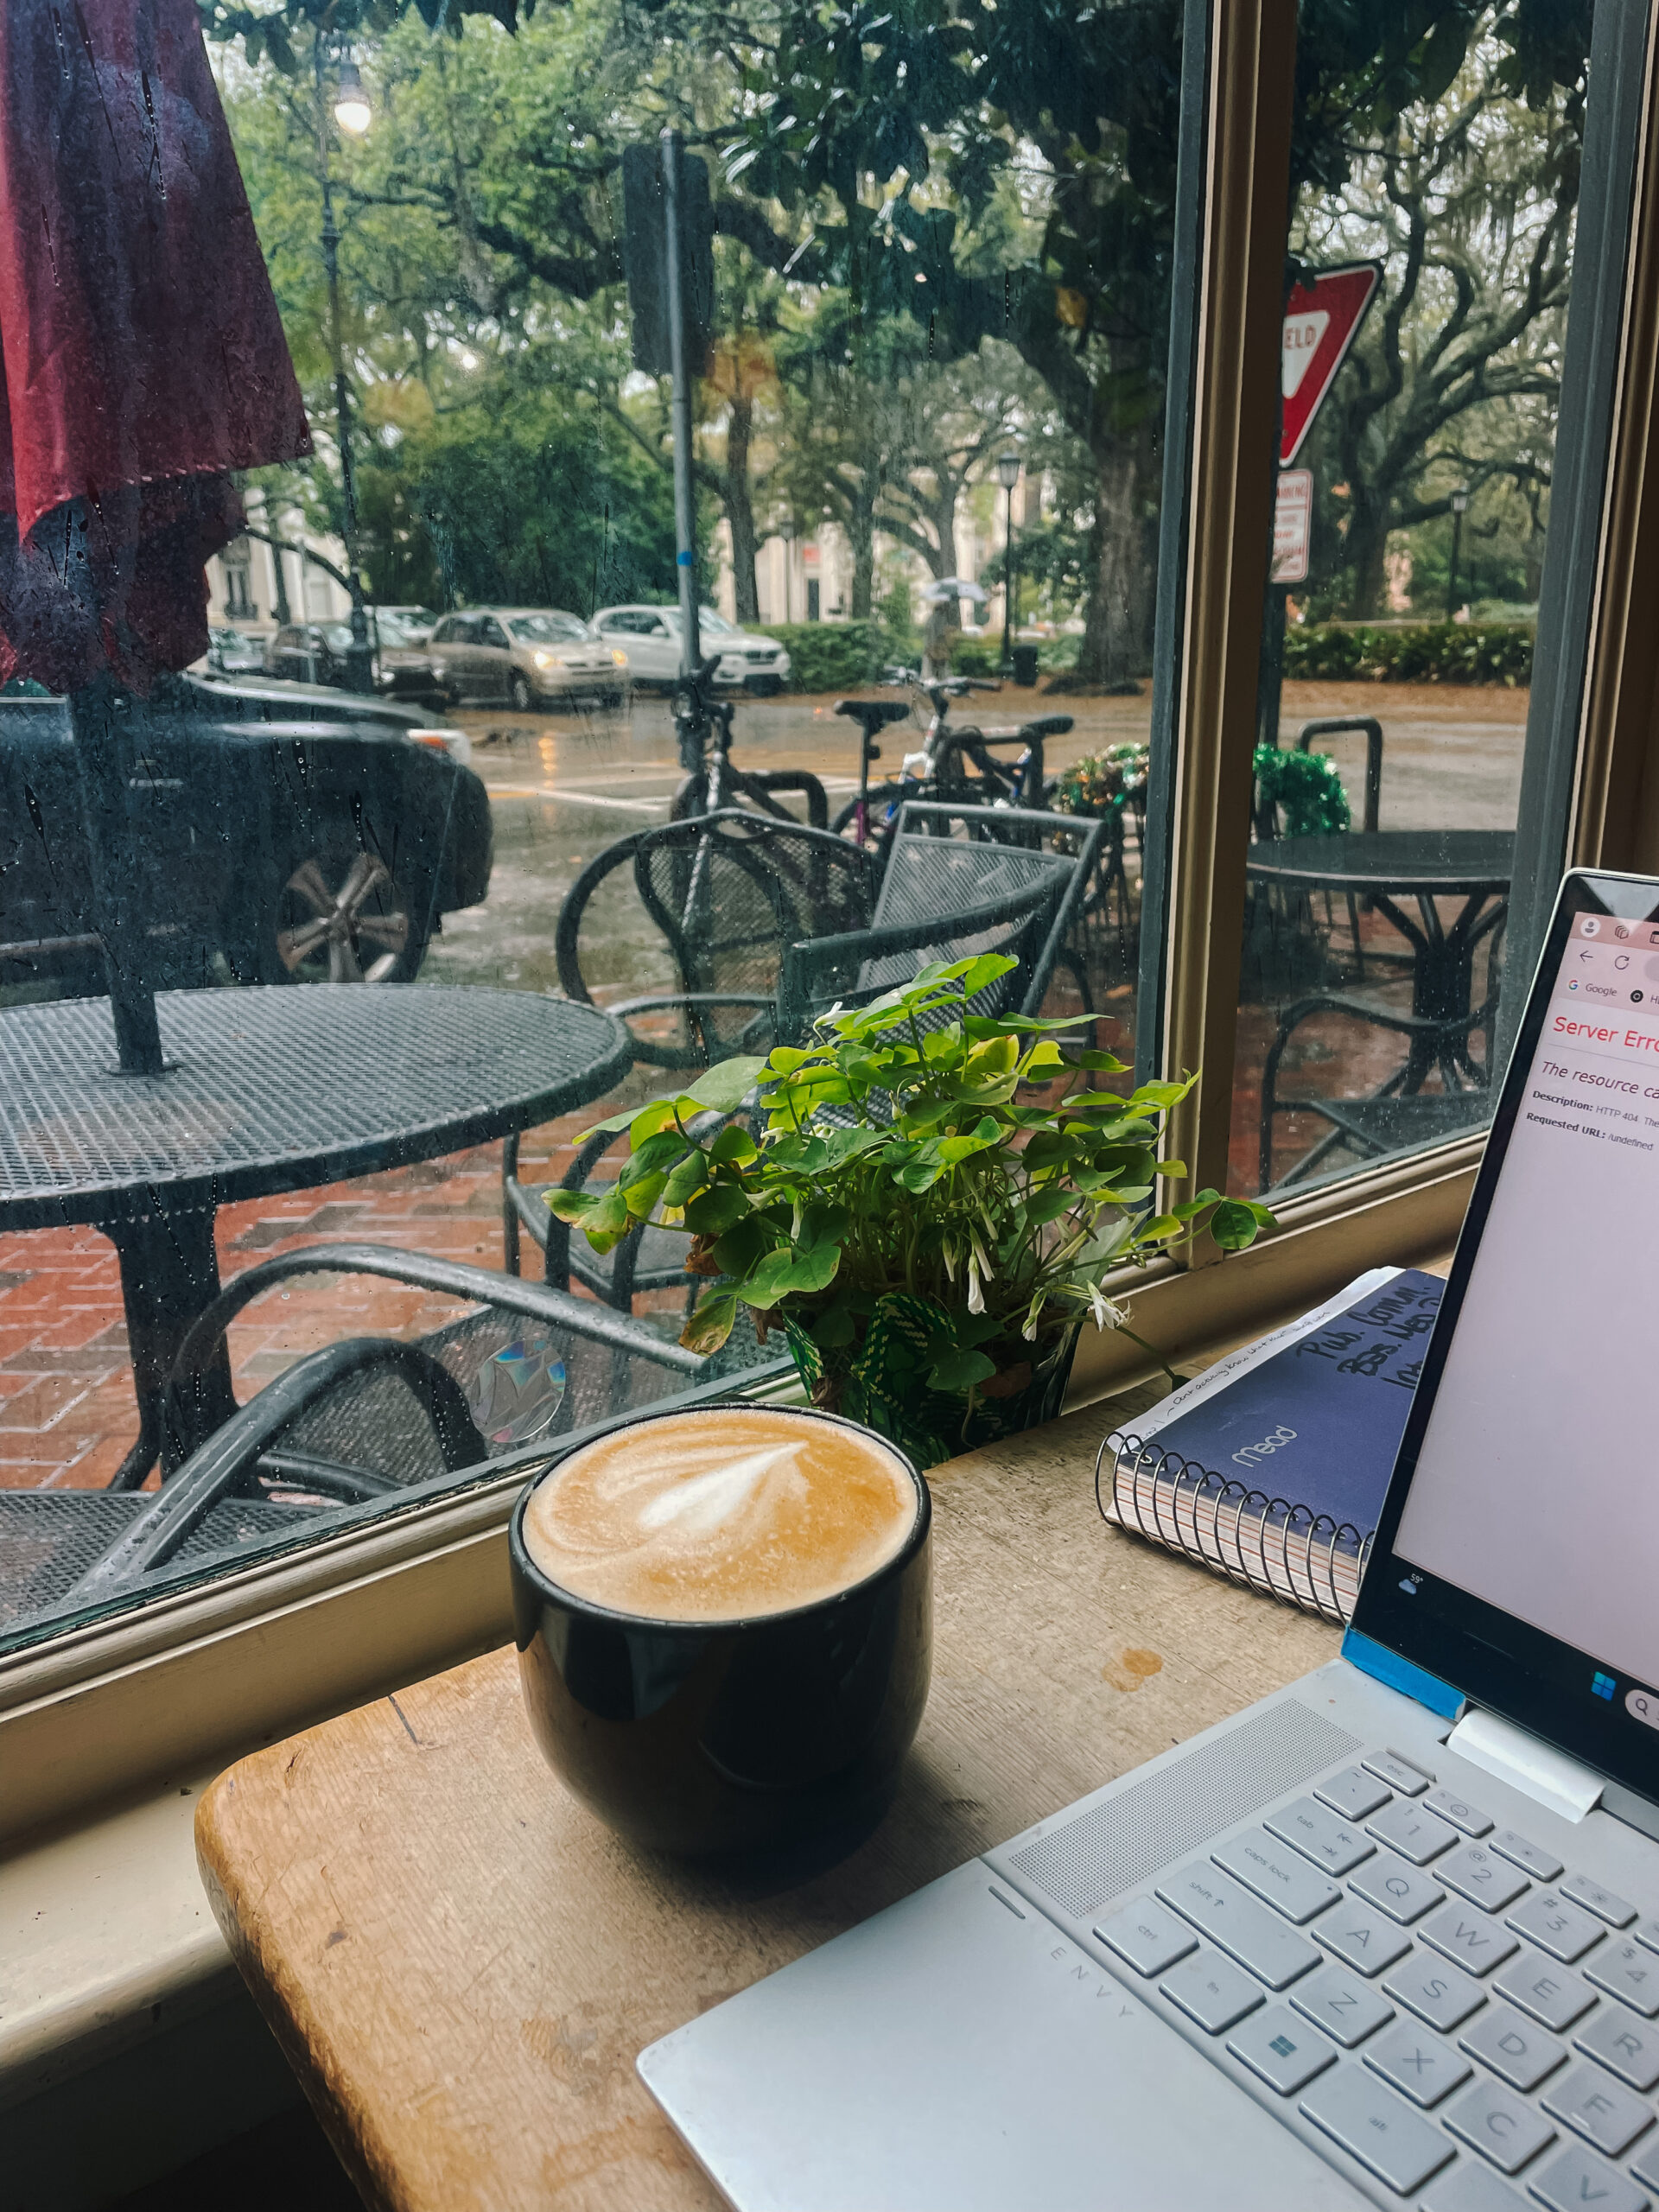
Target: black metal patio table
x=267 y=1089
x=1382 y=866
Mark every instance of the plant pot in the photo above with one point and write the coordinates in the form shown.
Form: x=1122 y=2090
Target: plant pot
x=883 y=1382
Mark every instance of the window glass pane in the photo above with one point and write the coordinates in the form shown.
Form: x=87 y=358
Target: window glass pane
x=928 y=453
x=1434 y=211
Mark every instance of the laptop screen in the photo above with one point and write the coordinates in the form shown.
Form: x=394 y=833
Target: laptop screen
x=1518 y=1557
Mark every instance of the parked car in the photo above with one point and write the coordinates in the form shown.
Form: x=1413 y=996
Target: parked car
x=650 y=637
x=417 y=623
x=521 y=656
x=230 y=653
x=316 y=652
x=285 y=833
x=402 y=662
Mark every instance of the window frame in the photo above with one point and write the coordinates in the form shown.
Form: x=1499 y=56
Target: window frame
x=105 y=1710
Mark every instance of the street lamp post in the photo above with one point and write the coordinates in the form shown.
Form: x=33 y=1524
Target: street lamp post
x=352 y=113
x=1008 y=475
x=1460 y=508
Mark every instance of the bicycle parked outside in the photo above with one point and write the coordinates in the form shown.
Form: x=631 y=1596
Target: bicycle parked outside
x=954 y=764
x=703 y=727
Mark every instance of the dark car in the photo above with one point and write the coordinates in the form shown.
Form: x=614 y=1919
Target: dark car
x=282 y=833
x=318 y=653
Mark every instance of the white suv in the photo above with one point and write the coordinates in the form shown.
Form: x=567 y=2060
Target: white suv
x=650 y=637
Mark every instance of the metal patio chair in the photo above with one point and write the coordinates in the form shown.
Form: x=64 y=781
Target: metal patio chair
x=726 y=893
x=360 y=1421
x=1400 y=1116
x=959 y=881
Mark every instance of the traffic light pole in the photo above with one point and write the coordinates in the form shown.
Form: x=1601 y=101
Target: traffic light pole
x=685 y=511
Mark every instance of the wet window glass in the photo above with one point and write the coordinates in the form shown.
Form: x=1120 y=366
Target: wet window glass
x=321 y=796
x=1430 y=268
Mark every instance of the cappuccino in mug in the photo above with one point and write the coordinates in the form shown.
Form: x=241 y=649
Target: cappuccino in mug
x=724 y=1514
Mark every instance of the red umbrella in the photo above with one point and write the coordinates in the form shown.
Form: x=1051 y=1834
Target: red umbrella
x=142 y=359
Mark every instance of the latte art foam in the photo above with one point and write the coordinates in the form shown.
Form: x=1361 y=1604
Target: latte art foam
x=720 y=1516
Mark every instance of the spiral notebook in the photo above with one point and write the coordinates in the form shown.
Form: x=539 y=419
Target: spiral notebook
x=1271 y=1467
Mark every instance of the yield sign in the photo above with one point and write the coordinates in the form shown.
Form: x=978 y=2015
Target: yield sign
x=1322 y=319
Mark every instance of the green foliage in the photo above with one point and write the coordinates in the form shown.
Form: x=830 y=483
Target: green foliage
x=977 y=653
x=540 y=501
x=1305 y=787
x=1415 y=653
x=1101 y=783
x=836 y=656
x=267 y=33
x=934 y=1199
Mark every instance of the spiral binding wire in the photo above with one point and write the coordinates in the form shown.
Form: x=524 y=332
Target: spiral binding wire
x=1151 y=1493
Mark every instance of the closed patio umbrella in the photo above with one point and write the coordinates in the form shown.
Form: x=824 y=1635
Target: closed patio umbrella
x=142 y=360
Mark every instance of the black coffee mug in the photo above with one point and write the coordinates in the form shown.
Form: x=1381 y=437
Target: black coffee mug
x=731 y=1736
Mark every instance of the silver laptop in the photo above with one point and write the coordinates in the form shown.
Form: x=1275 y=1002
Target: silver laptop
x=1391 y=1936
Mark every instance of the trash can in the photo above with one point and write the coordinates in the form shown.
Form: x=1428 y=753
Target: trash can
x=1025 y=666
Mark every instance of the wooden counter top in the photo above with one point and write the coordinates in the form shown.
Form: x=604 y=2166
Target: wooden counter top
x=463 y=1964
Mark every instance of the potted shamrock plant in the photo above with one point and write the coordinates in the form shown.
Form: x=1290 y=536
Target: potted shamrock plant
x=928 y=1202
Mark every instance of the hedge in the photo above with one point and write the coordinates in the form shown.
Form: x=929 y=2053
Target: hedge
x=1415 y=653
x=838 y=656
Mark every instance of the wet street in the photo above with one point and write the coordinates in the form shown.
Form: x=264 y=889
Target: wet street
x=564 y=787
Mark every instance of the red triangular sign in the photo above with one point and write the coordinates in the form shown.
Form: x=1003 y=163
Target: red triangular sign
x=1322 y=319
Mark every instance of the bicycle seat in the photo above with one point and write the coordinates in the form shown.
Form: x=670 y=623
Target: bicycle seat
x=1047 y=726
x=874 y=713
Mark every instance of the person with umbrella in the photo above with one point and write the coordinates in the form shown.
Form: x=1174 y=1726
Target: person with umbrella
x=942 y=600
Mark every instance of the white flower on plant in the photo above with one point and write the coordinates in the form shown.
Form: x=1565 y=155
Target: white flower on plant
x=975 y=1294
x=1107 y=1315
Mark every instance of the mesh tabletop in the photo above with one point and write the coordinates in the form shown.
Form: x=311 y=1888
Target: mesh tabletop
x=1439 y=863
x=277 y=1089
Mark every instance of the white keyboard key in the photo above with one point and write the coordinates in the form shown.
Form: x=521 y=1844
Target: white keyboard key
x=1461 y=1933
x=1476 y=1874
x=1257 y=1938
x=1647 y=1931
x=1566 y=1931
x=1517 y=2051
x=1606 y=1906
x=1628 y=1973
x=1605 y=2115
x=1443 y=1996
x=1352 y=1794
x=1147 y=1936
x=1396 y=1889
x=1576 y=2180
x=1460 y=1812
x=1515 y=1848
x=1499 y=2125
x=1281 y=1876
x=1424 y=2067
x=1284 y=2050
x=1398 y=1773
x=1416 y=1834
x=1307 y=1826
x=1473 y=2188
x=1623 y=2044
x=1646 y=2168
x=1363 y=1937
x=1389 y=2138
x=1211 y=1990
x=1554 y=1996
x=1343 y=2005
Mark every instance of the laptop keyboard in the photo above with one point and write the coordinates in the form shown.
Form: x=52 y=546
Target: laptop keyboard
x=1474 y=2024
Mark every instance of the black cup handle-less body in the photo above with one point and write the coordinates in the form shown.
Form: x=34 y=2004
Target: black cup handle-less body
x=731 y=1737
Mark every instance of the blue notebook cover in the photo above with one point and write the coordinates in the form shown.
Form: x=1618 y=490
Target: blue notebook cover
x=1320 y=1423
